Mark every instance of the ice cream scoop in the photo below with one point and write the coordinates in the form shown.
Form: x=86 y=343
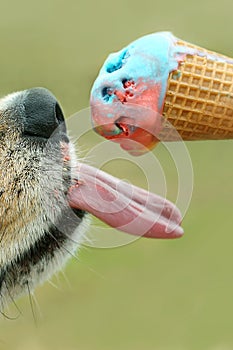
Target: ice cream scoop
x=162 y=88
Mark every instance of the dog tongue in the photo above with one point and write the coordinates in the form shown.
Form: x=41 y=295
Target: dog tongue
x=124 y=206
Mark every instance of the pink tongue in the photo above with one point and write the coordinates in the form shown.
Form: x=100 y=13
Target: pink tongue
x=124 y=206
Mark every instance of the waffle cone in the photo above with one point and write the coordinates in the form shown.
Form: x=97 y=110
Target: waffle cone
x=199 y=97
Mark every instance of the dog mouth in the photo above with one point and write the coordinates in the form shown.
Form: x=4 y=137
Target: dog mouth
x=121 y=205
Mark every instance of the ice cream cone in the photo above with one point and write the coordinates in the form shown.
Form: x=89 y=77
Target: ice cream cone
x=190 y=87
x=199 y=97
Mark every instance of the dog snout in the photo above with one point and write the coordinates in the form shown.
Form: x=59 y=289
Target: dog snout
x=42 y=114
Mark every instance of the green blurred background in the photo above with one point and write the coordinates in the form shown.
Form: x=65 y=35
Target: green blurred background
x=165 y=295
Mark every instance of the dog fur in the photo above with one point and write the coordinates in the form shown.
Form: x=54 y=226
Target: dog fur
x=35 y=175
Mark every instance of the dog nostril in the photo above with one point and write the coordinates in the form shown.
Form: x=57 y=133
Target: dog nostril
x=42 y=115
x=59 y=114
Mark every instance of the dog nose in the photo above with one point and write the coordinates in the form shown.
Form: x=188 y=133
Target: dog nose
x=42 y=114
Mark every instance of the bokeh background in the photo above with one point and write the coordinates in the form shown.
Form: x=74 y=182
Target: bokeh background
x=151 y=294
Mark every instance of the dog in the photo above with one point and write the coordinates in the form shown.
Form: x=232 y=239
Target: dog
x=35 y=178
x=43 y=202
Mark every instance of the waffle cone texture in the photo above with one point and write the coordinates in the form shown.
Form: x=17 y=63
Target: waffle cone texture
x=199 y=97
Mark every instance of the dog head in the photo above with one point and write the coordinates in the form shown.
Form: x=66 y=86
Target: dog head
x=43 y=203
